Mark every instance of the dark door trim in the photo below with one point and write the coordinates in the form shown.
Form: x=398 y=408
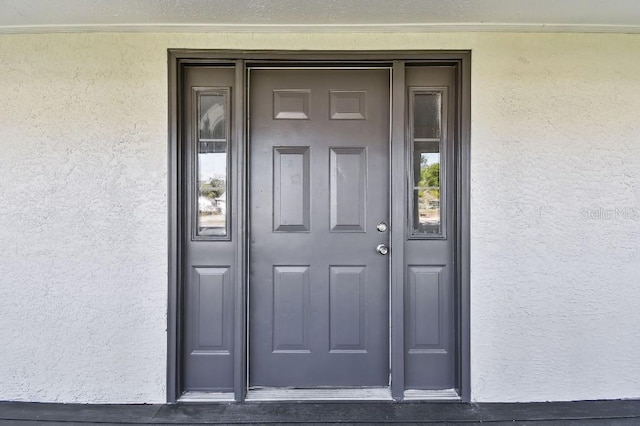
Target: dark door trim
x=241 y=60
x=398 y=191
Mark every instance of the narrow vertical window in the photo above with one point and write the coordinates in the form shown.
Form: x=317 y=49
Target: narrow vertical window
x=427 y=201
x=212 y=163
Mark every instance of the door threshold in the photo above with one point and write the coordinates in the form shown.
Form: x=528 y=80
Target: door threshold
x=319 y=394
x=207 y=397
x=431 y=395
x=322 y=394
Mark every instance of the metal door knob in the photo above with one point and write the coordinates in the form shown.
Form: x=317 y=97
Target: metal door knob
x=382 y=227
x=383 y=249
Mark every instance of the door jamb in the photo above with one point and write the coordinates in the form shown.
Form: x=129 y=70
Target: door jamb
x=239 y=175
x=398 y=193
x=178 y=58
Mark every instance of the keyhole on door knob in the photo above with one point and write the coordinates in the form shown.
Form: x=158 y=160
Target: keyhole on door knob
x=383 y=249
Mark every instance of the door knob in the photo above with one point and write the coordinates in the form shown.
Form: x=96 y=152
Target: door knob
x=382 y=227
x=383 y=249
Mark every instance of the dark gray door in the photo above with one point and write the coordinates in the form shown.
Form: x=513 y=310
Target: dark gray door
x=319 y=177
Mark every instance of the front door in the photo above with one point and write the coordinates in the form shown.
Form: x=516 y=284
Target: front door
x=317 y=214
x=319 y=205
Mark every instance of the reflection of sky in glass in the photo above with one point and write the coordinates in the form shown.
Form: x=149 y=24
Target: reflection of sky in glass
x=430 y=157
x=212 y=165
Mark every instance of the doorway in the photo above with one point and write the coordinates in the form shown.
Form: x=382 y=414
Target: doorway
x=321 y=209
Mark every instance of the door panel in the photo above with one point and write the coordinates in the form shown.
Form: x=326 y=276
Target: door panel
x=426 y=293
x=291 y=192
x=348 y=189
x=319 y=176
x=290 y=309
x=211 y=291
x=347 y=294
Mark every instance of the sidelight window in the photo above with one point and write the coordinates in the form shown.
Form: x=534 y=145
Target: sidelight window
x=211 y=163
x=427 y=165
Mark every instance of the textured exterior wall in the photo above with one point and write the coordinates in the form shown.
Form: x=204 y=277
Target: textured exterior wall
x=83 y=234
x=554 y=286
x=83 y=178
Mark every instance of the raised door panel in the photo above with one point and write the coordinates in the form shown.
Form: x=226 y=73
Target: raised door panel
x=347 y=310
x=209 y=328
x=291 y=192
x=424 y=309
x=291 y=104
x=348 y=189
x=429 y=323
x=290 y=308
x=211 y=296
x=348 y=104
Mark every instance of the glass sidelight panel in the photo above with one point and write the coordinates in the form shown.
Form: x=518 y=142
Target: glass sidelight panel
x=213 y=116
x=212 y=164
x=427 y=109
x=427 y=148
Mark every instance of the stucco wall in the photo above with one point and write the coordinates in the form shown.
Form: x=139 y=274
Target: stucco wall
x=83 y=256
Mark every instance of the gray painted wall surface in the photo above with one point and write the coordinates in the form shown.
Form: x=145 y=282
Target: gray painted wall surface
x=83 y=177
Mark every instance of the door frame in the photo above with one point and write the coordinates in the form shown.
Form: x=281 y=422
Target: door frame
x=241 y=61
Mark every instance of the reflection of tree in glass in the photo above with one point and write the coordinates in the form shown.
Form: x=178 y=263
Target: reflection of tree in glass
x=429 y=179
x=213 y=189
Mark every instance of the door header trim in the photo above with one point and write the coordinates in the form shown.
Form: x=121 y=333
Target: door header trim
x=315 y=67
x=340 y=57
